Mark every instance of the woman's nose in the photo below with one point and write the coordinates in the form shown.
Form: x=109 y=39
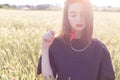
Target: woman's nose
x=78 y=18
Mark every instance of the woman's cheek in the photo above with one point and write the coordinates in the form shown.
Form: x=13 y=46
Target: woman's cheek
x=72 y=22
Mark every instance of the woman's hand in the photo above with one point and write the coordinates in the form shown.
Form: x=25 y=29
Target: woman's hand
x=48 y=39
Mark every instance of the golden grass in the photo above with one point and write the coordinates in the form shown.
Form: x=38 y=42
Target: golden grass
x=20 y=40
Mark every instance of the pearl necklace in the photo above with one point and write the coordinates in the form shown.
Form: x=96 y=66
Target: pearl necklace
x=81 y=49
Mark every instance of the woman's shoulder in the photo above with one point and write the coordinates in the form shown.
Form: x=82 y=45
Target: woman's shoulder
x=57 y=40
x=99 y=44
x=56 y=43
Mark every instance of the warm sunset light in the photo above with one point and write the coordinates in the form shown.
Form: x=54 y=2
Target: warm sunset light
x=58 y=40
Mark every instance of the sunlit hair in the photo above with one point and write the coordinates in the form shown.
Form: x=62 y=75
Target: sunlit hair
x=66 y=27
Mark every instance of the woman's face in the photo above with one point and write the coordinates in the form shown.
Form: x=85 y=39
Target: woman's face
x=76 y=16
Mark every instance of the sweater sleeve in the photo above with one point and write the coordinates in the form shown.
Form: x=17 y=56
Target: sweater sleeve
x=39 y=66
x=52 y=64
x=105 y=68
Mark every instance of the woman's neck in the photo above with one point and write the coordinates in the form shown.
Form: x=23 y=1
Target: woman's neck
x=77 y=35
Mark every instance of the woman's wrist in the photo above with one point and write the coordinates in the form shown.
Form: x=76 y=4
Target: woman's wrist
x=45 y=50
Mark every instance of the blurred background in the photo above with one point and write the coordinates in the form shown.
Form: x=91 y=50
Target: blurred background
x=56 y=4
x=24 y=22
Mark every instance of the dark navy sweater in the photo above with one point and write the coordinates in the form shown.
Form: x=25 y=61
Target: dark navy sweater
x=94 y=63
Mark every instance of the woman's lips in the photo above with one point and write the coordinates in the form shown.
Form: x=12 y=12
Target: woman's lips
x=79 y=25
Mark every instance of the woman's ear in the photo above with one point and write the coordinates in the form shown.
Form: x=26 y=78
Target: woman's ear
x=72 y=35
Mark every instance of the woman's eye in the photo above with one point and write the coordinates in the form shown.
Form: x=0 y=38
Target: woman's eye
x=82 y=15
x=73 y=15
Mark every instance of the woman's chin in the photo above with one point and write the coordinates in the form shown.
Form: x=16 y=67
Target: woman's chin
x=80 y=28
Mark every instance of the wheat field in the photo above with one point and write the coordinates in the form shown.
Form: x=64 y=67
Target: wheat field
x=20 y=40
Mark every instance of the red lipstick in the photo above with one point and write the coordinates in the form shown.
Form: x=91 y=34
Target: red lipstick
x=79 y=25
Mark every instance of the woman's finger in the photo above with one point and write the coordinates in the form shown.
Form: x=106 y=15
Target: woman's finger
x=48 y=38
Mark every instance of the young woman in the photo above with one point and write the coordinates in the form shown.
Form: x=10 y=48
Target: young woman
x=74 y=54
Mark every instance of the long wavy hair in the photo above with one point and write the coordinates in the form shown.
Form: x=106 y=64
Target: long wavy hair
x=66 y=27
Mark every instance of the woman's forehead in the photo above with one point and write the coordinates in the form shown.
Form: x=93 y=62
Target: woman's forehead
x=76 y=7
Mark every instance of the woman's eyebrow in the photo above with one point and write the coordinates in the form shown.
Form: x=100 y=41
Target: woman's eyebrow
x=72 y=12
